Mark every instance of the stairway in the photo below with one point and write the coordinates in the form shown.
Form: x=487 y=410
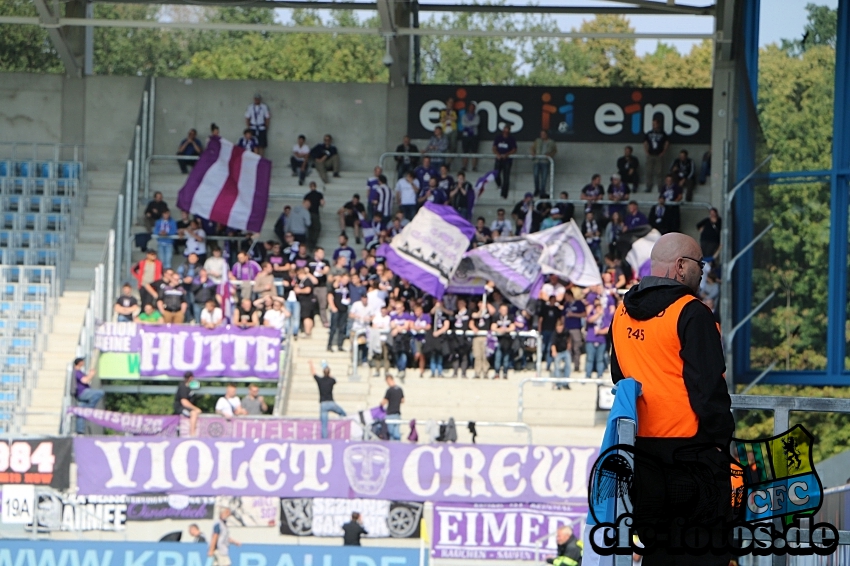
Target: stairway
x=43 y=413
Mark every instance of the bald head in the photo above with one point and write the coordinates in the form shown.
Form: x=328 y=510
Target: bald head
x=676 y=256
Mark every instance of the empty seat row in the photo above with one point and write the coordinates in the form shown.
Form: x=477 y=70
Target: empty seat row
x=38 y=187
x=28 y=274
x=32 y=239
x=20 y=203
x=52 y=221
x=26 y=291
x=41 y=169
x=11 y=326
x=28 y=256
x=23 y=309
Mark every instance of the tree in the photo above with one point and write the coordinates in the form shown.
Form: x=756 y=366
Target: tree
x=667 y=68
x=25 y=48
x=821 y=29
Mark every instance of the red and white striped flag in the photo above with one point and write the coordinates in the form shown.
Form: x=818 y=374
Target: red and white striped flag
x=228 y=185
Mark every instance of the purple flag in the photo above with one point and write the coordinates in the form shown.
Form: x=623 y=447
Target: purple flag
x=145 y=425
x=429 y=249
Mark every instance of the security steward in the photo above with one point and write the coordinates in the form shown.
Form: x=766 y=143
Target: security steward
x=569 y=549
x=667 y=339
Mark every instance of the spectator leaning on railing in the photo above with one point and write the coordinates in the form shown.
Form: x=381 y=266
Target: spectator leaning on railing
x=86 y=395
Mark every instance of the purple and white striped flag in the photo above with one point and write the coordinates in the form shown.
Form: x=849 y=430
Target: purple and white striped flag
x=228 y=185
x=638 y=256
x=480 y=184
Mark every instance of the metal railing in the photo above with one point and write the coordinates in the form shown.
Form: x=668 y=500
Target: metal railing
x=550 y=181
x=518 y=427
x=520 y=403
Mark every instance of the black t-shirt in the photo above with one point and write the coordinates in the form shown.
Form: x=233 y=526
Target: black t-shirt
x=560 y=340
x=326 y=388
x=656 y=141
x=305 y=284
x=155 y=209
x=408 y=293
x=461 y=321
x=353 y=531
x=243 y=316
x=394 y=395
x=172 y=297
x=315 y=198
x=710 y=231
x=550 y=314
x=319 y=150
x=183 y=392
x=355 y=207
x=126 y=301
x=482 y=323
x=316 y=268
x=342 y=297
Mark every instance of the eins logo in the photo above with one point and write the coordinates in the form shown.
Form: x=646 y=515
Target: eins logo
x=508 y=113
x=610 y=118
x=567 y=110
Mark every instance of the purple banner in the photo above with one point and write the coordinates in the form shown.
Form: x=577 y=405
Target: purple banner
x=214 y=426
x=429 y=248
x=501 y=532
x=148 y=425
x=172 y=350
x=372 y=470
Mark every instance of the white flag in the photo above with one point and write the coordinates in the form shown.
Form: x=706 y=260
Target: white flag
x=566 y=254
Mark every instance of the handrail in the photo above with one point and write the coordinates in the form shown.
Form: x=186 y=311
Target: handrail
x=551 y=180
x=285 y=382
x=562 y=380
x=485 y=424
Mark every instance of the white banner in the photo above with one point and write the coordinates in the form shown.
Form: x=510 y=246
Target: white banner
x=567 y=255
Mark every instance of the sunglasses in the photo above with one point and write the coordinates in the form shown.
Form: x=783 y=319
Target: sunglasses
x=700 y=262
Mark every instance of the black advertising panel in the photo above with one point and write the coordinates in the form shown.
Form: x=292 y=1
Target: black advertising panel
x=36 y=461
x=570 y=114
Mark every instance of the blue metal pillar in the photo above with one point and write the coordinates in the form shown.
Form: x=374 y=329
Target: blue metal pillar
x=837 y=301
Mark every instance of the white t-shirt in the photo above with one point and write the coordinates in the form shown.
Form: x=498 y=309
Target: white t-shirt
x=216 y=268
x=275 y=319
x=227 y=406
x=213 y=317
x=548 y=290
x=381 y=323
x=407 y=191
x=257 y=114
x=195 y=247
x=300 y=152
x=377 y=299
x=357 y=312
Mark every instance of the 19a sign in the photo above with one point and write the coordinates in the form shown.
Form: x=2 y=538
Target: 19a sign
x=18 y=504
x=45 y=461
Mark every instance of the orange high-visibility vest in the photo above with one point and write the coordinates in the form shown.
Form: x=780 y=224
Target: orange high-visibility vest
x=649 y=351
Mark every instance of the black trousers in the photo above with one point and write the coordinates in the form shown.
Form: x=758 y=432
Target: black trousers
x=503 y=177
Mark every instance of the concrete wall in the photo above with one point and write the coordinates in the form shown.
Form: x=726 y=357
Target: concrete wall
x=354 y=114
x=111 y=108
x=30 y=107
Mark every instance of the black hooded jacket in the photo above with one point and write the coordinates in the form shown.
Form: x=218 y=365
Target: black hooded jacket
x=703 y=364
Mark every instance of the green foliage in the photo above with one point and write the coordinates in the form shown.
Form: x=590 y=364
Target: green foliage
x=25 y=48
x=821 y=29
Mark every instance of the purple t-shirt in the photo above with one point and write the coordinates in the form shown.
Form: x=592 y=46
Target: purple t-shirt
x=635 y=220
x=399 y=319
x=504 y=144
x=671 y=192
x=574 y=323
x=605 y=323
x=78 y=376
x=246 y=271
x=346 y=252
x=420 y=323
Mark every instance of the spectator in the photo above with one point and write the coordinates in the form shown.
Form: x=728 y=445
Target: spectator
x=569 y=549
x=281 y=225
x=406 y=192
x=304 y=285
x=253 y=403
x=210 y=316
x=277 y=317
x=469 y=124
x=327 y=404
x=300 y=220
x=165 y=230
x=619 y=192
x=248 y=142
x=460 y=342
x=216 y=266
x=229 y=405
x=433 y=193
x=592 y=194
x=149 y=315
x=350 y=215
x=246 y=315
x=154 y=210
x=448 y=121
x=345 y=251
x=541 y=148
x=425 y=172
x=554 y=219
x=184 y=402
x=482 y=235
x=480 y=323
x=521 y=210
x=552 y=288
x=221 y=541
x=325 y=158
x=613 y=230
x=317 y=201
x=244 y=271
x=320 y=268
x=257 y=117
x=420 y=324
x=568 y=210
x=504 y=146
x=561 y=351
x=634 y=217
x=501 y=224
x=360 y=315
x=300 y=159
x=172 y=300
x=87 y=396
x=684 y=174
x=187 y=273
x=437 y=144
x=182 y=224
x=392 y=401
x=598 y=324
x=655 y=145
x=550 y=312
x=627 y=168
x=202 y=290
x=353 y=530
x=592 y=235
x=381 y=199
x=371 y=186
x=660 y=216
x=195 y=533
x=436 y=345
x=459 y=195
x=709 y=234
x=672 y=193
x=575 y=310
x=503 y=326
x=400 y=325
x=189 y=147
x=126 y=306
x=338 y=302
x=214 y=130
x=196 y=240
x=405 y=163
x=264 y=286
